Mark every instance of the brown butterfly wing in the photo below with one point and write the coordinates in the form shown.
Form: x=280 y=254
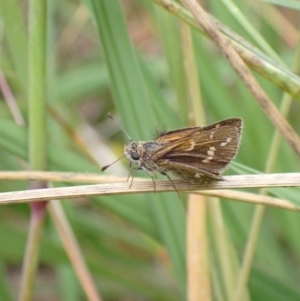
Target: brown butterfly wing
x=207 y=150
x=175 y=135
x=188 y=172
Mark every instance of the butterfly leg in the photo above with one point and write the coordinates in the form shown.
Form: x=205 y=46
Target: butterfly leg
x=132 y=169
x=154 y=184
x=165 y=174
x=152 y=177
x=131 y=172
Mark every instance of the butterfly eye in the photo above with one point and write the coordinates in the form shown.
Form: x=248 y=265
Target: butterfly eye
x=135 y=155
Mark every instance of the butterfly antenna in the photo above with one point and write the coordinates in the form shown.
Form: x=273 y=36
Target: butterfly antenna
x=106 y=166
x=110 y=116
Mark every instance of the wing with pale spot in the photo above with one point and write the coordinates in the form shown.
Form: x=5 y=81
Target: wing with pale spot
x=206 y=150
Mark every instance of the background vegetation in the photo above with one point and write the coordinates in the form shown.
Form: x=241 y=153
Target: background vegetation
x=128 y=58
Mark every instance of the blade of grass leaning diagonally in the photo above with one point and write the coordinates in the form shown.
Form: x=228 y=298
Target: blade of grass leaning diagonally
x=249 y=80
x=260 y=210
x=257 y=219
x=275 y=250
x=251 y=31
x=253 y=57
x=133 y=103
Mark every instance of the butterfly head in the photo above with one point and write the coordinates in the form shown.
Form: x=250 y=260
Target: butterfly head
x=134 y=152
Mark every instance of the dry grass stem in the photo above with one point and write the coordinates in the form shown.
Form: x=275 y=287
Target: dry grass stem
x=253 y=57
x=226 y=47
x=199 y=282
x=146 y=186
x=73 y=250
x=64 y=177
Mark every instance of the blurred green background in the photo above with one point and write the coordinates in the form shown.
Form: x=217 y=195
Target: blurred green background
x=126 y=57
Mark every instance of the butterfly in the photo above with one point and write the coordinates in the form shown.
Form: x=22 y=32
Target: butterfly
x=197 y=154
